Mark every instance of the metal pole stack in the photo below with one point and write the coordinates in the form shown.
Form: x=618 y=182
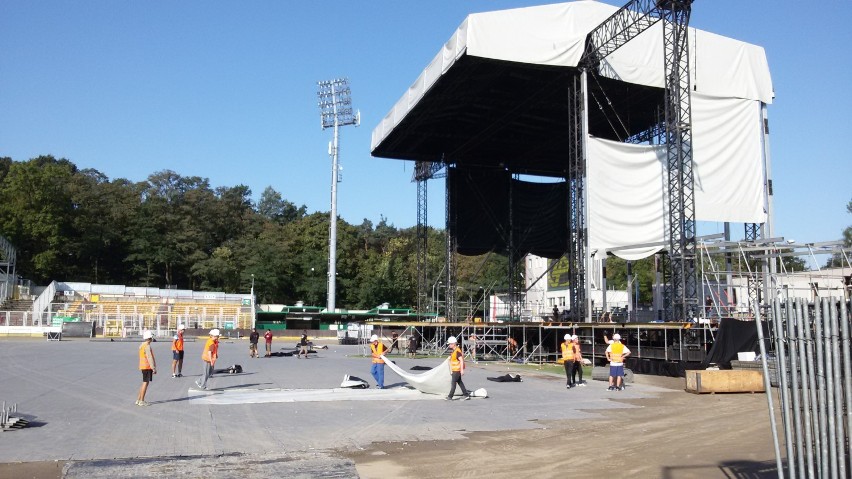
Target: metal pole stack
x=814 y=366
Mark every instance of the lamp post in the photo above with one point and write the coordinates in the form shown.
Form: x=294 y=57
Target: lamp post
x=335 y=106
x=252 y=301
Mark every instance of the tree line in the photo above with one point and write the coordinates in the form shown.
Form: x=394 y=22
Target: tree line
x=72 y=224
x=170 y=230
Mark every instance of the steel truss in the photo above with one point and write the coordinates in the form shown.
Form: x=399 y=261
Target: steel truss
x=625 y=24
x=423 y=171
x=755 y=281
x=576 y=204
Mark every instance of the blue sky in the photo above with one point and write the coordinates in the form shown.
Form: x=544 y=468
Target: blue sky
x=227 y=91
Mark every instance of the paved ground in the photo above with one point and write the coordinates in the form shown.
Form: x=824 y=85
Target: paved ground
x=80 y=394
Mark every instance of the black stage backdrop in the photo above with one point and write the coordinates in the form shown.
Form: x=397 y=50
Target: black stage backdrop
x=480 y=206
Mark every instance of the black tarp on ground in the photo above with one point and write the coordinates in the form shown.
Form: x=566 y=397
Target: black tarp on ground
x=732 y=337
x=480 y=202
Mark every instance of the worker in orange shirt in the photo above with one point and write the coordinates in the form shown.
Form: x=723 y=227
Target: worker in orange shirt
x=148 y=366
x=578 y=362
x=567 y=348
x=377 y=349
x=209 y=355
x=177 y=352
x=456 y=369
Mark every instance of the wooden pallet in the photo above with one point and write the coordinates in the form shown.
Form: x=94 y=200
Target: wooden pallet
x=724 y=381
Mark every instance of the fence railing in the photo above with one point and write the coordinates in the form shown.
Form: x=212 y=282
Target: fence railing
x=128 y=324
x=812 y=356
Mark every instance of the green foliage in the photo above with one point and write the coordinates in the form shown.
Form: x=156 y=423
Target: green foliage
x=173 y=230
x=643 y=273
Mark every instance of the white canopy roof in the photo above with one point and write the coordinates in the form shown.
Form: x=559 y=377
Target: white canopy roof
x=554 y=35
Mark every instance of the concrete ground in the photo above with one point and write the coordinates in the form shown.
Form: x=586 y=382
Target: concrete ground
x=79 y=396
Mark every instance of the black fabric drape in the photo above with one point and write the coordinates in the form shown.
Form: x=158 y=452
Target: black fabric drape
x=732 y=337
x=479 y=206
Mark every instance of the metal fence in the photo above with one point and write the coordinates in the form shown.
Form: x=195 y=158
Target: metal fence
x=811 y=343
x=124 y=325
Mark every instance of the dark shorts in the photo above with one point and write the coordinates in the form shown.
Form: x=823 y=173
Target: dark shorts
x=147 y=375
x=616 y=371
x=177 y=355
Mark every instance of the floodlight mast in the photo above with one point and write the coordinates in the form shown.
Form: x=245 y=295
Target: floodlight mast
x=335 y=105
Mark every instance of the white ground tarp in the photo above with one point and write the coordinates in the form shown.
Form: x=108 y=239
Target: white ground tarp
x=627 y=183
x=434 y=381
x=554 y=35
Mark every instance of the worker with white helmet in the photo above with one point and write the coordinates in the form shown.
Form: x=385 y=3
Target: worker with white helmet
x=210 y=354
x=377 y=350
x=456 y=368
x=567 y=348
x=148 y=366
x=177 y=352
x=616 y=353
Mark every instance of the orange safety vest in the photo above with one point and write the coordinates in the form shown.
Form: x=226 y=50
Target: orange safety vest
x=616 y=351
x=455 y=360
x=177 y=344
x=377 y=350
x=211 y=351
x=578 y=355
x=568 y=351
x=143 y=358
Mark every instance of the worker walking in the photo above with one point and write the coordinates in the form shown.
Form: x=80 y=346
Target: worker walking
x=567 y=347
x=377 y=350
x=254 y=337
x=148 y=366
x=209 y=356
x=578 y=362
x=303 y=345
x=616 y=353
x=456 y=369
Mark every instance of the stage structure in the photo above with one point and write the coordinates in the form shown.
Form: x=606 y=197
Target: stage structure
x=637 y=125
x=335 y=103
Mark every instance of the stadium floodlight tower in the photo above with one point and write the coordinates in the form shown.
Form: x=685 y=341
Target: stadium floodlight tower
x=335 y=103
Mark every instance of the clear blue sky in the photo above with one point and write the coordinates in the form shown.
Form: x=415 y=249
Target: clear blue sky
x=227 y=91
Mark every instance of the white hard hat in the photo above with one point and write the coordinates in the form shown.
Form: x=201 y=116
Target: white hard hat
x=575 y=337
x=451 y=340
x=567 y=337
x=374 y=338
x=214 y=332
x=147 y=335
x=181 y=327
x=616 y=337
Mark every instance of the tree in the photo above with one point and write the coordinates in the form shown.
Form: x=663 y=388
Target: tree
x=836 y=260
x=36 y=215
x=275 y=208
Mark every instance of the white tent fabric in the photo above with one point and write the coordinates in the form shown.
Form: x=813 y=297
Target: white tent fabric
x=434 y=381
x=554 y=35
x=626 y=197
x=727 y=138
x=627 y=183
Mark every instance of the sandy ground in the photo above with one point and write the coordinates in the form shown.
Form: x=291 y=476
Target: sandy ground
x=727 y=435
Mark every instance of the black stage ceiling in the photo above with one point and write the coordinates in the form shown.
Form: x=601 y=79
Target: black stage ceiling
x=485 y=113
